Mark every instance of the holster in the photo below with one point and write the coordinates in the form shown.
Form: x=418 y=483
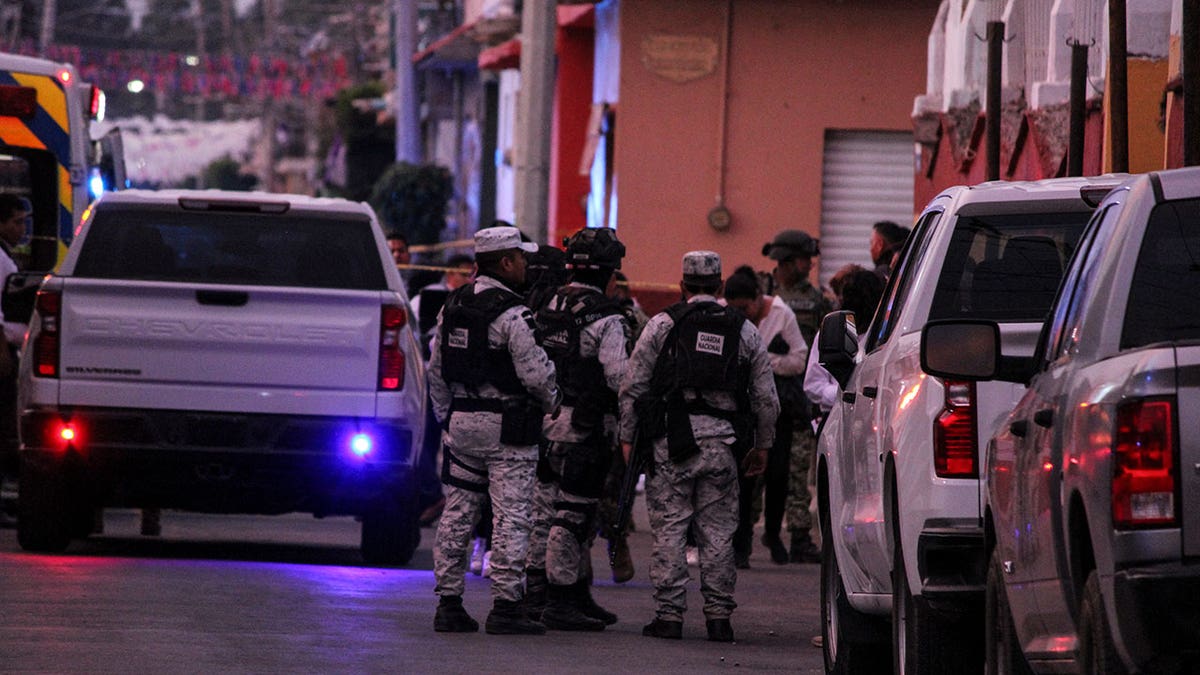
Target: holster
x=681 y=441
x=521 y=422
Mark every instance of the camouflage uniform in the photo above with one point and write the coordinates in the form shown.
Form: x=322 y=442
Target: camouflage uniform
x=475 y=457
x=565 y=521
x=703 y=489
x=810 y=306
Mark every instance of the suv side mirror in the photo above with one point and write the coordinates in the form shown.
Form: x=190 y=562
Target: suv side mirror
x=970 y=350
x=961 y=350
x=837 y=345
x=19 y=295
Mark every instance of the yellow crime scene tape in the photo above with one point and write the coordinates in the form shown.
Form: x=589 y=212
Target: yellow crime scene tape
x=632 y=285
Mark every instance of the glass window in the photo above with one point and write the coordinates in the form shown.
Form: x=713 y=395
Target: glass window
x=232 y=248
x=888 y=311
x=1164 y=299
x=1063 y=333
x=1005 y=268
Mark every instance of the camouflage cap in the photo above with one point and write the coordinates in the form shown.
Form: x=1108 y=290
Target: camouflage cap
x=501 y=239
x=701 y=267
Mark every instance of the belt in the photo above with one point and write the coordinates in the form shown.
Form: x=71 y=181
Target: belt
x=469 y=405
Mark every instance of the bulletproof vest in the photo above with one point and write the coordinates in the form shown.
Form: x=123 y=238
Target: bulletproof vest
x=466 y=357
x=560 y=323
x=707 y=345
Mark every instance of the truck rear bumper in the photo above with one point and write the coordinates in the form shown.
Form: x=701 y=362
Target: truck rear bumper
x=1158 y=616
x=952 y=561
x=221 y=463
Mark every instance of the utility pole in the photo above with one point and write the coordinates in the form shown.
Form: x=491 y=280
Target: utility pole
x=404 y=97
x=534 y=117
x=49 y=16
x=995 y=42
x=1118 y=85
x=201 y=54
x=1191 y=82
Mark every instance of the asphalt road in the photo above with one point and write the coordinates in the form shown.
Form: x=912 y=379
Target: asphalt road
x=288 y=593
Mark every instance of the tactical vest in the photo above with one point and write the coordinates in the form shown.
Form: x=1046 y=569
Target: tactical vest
x=560 y=324
x=466 y=357
x=708 y=338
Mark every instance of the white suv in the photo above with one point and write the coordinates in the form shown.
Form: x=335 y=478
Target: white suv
x=898 y=459
x=227 y=353
x=1093 y=481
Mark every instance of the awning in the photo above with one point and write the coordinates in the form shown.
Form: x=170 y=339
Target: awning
x=501 y=57
x=507 y=55
x=456 y=50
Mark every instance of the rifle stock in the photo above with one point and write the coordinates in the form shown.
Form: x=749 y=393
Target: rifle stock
x=633 y=470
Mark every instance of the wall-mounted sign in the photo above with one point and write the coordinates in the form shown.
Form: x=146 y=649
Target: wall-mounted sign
x=679 y=58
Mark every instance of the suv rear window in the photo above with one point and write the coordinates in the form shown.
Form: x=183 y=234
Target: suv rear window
x=1005 y=267
x=232 y=248
x=1164 y=299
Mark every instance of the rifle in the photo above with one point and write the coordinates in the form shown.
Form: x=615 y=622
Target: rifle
x=638 y=458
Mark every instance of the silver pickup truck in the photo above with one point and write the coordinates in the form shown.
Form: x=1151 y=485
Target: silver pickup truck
x=1092 y=500
x=223 y=353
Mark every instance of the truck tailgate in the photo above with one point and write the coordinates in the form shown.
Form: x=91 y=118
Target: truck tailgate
x=247 y=348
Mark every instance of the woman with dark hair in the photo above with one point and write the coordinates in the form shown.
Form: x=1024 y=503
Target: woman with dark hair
x=858 y=290
x=787 y=352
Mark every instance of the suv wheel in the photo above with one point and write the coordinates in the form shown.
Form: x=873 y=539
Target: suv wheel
x=926 y=641
x=390 y=532
x=43 y=511
x=1097 y=653
x=853 y=642
x=1002 y=650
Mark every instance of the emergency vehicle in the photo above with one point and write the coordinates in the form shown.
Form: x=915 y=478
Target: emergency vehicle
x=46 y=153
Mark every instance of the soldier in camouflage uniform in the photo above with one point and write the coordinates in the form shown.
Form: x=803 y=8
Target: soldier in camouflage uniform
x=719 y=396
x=793 y=251
x=490 y=385
x=584 y=333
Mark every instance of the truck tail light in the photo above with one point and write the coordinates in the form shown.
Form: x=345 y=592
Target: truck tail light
x=391 y=356
x=1144 y=466
x=955 y=435
x=45 y=345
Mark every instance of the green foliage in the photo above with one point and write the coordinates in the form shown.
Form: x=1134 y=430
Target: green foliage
x=370 y=147
x=226 y=174
x=411 y=199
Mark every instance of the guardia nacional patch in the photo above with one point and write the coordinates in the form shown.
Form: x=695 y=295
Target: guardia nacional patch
x=710 y=343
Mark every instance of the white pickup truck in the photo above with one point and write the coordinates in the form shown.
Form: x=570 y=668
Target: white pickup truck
x=224 y=353
x=1092 y=509
x=898 y=462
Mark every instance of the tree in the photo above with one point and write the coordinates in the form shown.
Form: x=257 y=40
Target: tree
x=370 y=147
x=411 y=199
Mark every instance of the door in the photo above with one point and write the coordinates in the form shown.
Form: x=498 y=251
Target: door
x=867 y=177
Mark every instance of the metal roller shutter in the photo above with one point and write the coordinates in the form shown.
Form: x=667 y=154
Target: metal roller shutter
x=868 y=176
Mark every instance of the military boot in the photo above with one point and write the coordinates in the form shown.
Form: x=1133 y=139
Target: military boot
x=508 y=618
x=667 y=630
x=535 y=592
x=622 y=560
x=587 y=604
x=803 y=549
x=719 y=630
x=451 y=617
x=564 y=613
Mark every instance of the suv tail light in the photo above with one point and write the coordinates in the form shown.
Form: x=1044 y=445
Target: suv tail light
x=1144 y=466
x=391 y=357
x=45 y=345
x=955 y=437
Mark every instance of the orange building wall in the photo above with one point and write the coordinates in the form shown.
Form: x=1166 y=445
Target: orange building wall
x=1146 y=78
x=796 y=69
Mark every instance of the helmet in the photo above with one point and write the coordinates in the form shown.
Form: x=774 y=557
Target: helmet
x=546 y=258
x=789 y=244
x=594 y=248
